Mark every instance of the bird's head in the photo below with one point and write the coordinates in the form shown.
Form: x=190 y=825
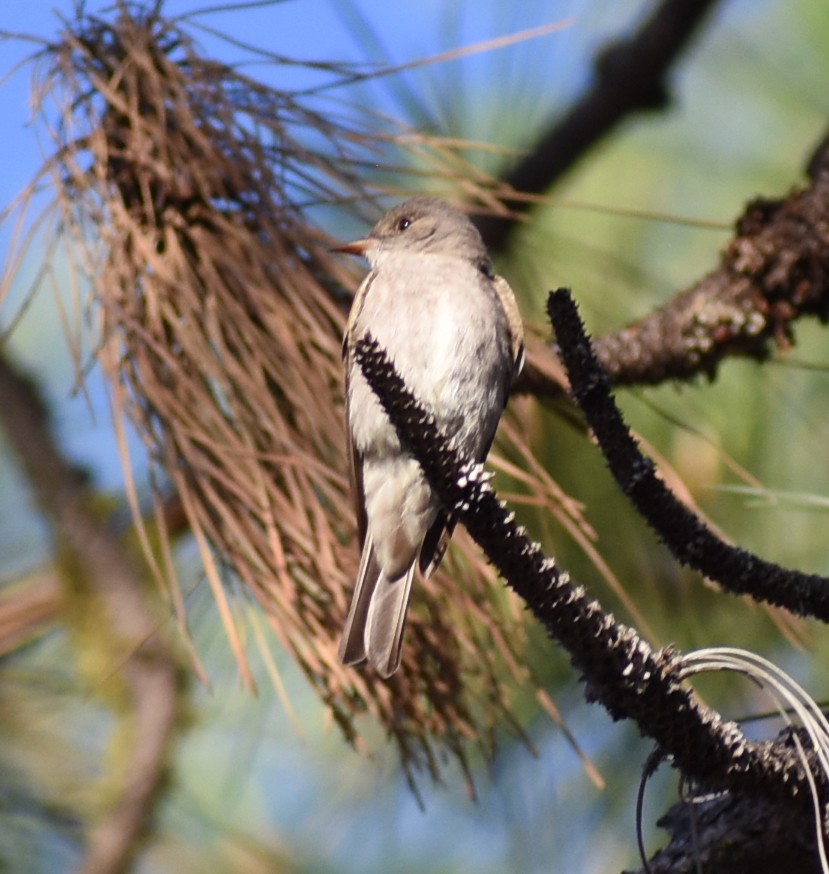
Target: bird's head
x=424 y=225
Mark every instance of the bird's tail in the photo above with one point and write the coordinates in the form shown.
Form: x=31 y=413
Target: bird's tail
x=375 y=623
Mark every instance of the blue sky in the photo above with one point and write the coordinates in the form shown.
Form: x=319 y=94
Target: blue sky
x=319 y=30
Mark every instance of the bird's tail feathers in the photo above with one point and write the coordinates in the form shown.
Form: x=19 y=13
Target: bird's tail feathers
x=352 y=646
x=374 y=627
x=386 y=621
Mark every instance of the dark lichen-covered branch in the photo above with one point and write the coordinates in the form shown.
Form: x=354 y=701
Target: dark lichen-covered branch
x=619 y=669
x=689 y=539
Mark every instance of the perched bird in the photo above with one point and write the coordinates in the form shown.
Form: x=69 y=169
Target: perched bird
x=453 y=331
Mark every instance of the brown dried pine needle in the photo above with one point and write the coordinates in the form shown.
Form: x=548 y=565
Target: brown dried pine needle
x=222 y=310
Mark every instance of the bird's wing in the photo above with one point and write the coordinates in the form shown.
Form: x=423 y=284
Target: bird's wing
x=355 y=472
x=437 y=538
x=516 y=324
x=355 y=462
x=436 y=542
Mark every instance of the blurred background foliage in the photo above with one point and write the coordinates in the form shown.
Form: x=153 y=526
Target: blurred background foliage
x=264 y=782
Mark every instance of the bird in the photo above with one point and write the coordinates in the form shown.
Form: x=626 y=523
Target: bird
x=453 y=331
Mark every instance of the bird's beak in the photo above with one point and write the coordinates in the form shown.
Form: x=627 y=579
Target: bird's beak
x=358 y=247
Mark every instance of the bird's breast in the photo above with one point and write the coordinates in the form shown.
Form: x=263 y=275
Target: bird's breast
x=443 y=326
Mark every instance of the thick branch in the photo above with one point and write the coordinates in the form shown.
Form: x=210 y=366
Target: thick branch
x=630 y=77
x=727 y=834
x=775 y=270
x=102 y=563
x=619 y=668
x=691 y=542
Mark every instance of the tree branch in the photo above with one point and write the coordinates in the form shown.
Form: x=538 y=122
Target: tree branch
x=727 y=834
x=691 y=542
x=620 y=670
x=99 y=560
x=630 y=77
x=775 y=270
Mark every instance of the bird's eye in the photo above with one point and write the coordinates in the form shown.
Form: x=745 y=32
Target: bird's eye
x=403 y=223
